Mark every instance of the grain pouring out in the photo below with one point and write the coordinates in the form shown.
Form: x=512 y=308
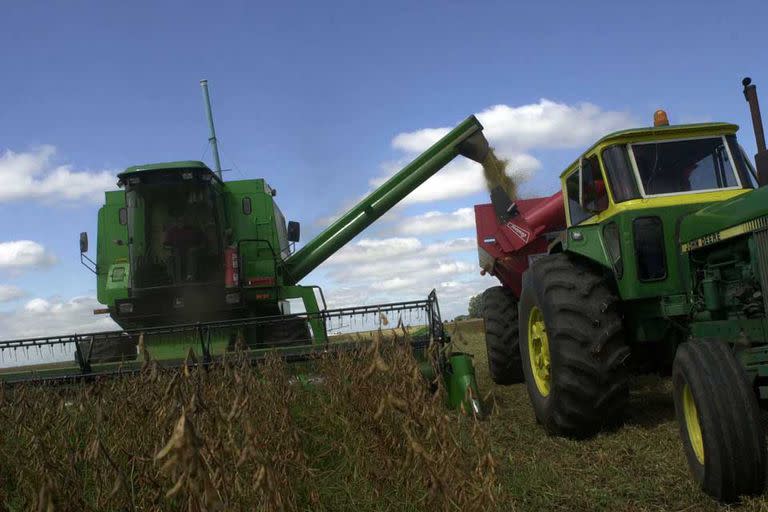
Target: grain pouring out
x=495 y=172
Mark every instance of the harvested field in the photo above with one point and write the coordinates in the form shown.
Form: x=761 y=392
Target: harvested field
x=362 y=434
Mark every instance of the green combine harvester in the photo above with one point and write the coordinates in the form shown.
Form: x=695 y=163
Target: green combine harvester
x=187 y=261
x=653 y=257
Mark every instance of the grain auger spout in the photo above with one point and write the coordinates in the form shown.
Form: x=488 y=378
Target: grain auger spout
x=466 y=139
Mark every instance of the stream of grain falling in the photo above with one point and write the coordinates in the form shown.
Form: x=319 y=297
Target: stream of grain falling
x=495 y=171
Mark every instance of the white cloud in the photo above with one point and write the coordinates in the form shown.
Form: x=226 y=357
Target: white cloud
x=418 y=141
x=455 y=245
x=52 y=316
x=10 y=293
x=391 y=251
x=21 y=254
x=382 y=270
x=396 y=283
x=367 y=250
x=34 y=175
x=37 y=306
x=513 y=132
x=438 y=222
x=548 y=124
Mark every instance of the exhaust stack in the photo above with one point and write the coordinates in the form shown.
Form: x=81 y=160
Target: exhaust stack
x=761 y=157
x=212 y=137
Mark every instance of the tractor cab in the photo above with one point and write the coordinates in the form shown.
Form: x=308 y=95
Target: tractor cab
x=631 y=189
x=658 y=166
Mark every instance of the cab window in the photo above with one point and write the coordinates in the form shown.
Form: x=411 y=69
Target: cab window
x=683 y=166
x=586 y=186
x=593 y=190
x=575 y=211
x=618 y=168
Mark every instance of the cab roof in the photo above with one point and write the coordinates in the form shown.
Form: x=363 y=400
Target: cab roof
x=179 y=166
x=661 y=132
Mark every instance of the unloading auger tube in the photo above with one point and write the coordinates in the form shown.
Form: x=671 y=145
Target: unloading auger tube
x=466 y=139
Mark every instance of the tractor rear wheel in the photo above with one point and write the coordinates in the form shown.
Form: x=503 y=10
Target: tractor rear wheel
x=572 y=346
x=719 y=421
x=502 y=335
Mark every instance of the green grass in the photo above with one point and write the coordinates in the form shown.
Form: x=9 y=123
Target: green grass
x=640 y=466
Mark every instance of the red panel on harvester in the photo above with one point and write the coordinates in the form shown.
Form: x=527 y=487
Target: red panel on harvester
x=505 y=248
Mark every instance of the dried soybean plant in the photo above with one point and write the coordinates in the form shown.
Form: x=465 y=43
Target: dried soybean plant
x=357 y=429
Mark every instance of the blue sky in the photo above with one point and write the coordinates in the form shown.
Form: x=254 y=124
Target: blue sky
x=312 y=97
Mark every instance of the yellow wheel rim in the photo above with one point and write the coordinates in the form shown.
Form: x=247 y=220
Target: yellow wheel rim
x=692 y=424
x=538 y=350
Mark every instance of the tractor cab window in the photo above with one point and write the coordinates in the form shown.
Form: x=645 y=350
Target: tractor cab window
x=586 y=191
x=573 y=184
x=621 y=177
x=746 y=170
x=694 y=165
x=175 y=235
x=594 y=194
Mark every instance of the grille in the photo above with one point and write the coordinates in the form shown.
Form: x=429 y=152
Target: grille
x=761 y=241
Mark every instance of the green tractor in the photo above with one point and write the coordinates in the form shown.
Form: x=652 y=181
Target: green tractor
x=653 y=258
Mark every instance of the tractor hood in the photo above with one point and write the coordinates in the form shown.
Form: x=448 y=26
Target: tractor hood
x=725 y=219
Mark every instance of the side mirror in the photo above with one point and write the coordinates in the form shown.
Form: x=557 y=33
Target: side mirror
x=294 y=231
x=83 y=242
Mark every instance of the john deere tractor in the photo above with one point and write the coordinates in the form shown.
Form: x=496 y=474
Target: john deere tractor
x=653 y=257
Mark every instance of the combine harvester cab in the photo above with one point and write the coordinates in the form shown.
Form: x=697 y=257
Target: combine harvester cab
x=652 y=258
x=190 y=264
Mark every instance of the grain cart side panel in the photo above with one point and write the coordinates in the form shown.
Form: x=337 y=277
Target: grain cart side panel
x=507 y=246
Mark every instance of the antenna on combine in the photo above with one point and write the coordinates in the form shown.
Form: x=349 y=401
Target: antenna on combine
x=212 y=138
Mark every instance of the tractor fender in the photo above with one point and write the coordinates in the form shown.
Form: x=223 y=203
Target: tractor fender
x=587 y=242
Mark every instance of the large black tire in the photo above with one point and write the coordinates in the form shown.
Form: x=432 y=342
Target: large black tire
x=502 y=336
x=718 y=413
x=568 y=306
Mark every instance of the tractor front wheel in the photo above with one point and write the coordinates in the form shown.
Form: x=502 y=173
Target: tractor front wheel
x=719 y=421
x=502 y=335
x=572 y=346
